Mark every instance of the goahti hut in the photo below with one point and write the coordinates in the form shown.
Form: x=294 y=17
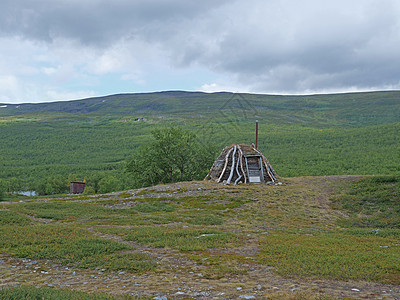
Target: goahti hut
x=241 y=164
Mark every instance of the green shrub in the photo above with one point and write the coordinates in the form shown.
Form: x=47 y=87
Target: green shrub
x=2 y=190
x=149 y=207
x=89 y=190
x=341 y=256
x=65 y=210
x=206 y=219
x=11 y=218
x=183 y=239
x=372 y=202
x=45 y=293
x=72 y=246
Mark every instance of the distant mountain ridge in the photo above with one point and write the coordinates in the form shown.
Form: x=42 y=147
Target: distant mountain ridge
x=364 y=108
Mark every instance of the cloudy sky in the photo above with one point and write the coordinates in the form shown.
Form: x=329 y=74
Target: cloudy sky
x=70 y=49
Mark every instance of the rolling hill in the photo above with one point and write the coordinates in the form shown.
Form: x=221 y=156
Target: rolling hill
x=351 y=109
x=355 y=133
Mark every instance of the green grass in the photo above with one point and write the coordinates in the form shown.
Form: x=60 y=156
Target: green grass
x=206 y=218
x=215 y=202
x=64 y=211
x=197 y=211
x=220 y=265
x=12 y=218
x=71 y=246
x=156 y=206
x=61 y=211
x=334 y=255
x=183 y=239
x=369 y=249
x=229 y=231
x=46 y=293
x=133 y=262
x=372 y=202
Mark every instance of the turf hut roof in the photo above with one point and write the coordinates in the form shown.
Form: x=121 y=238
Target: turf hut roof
x=241 y=163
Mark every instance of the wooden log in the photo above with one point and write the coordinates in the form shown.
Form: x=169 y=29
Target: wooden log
x=225 y=165
x=269 y=167
x=209 y=172
x=272 y=169
x=241 y=166
x=269 y=172
x=237 y=171
x=233 y=166
x=265 y=160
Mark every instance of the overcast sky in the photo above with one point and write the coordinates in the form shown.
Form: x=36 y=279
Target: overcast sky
x=70 y=49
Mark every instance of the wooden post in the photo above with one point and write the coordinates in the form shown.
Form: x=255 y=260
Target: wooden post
x=256 y=134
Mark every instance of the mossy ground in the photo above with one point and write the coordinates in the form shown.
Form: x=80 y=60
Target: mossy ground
x=204 y=240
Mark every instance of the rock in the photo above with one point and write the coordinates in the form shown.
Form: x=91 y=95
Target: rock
x=179 y=293
x=246 y=297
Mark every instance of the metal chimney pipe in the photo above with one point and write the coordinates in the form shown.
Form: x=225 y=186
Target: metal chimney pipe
x=256 y=134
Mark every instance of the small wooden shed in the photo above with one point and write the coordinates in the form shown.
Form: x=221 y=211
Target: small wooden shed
x=77 y=187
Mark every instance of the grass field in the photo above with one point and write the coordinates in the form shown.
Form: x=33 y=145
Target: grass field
x=309 y=228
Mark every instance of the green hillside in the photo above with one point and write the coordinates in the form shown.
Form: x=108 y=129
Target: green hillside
x=353 y=133
x=352 y=109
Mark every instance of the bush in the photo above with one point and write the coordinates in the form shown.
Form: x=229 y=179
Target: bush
x=2 y=191
x=56 y=184
x=173 y=155
x=372 y=202
x=28 y=292
x=108 y=184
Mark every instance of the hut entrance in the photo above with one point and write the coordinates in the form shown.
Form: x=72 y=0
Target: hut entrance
x=254 y=168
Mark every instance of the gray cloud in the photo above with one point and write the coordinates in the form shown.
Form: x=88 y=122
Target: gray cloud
x=320 y=48
x=284 y=46
x=96 y=22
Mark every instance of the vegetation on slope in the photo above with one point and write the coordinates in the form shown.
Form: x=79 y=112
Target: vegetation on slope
x=221 y=232
x=173 y=155
x=46 y=293
x=372 y=202
x=336 y=228
x=351 y=109
x=44 y=146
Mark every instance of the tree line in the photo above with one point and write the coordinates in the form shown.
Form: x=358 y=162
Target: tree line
x=169 y=154
x=173 y=154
